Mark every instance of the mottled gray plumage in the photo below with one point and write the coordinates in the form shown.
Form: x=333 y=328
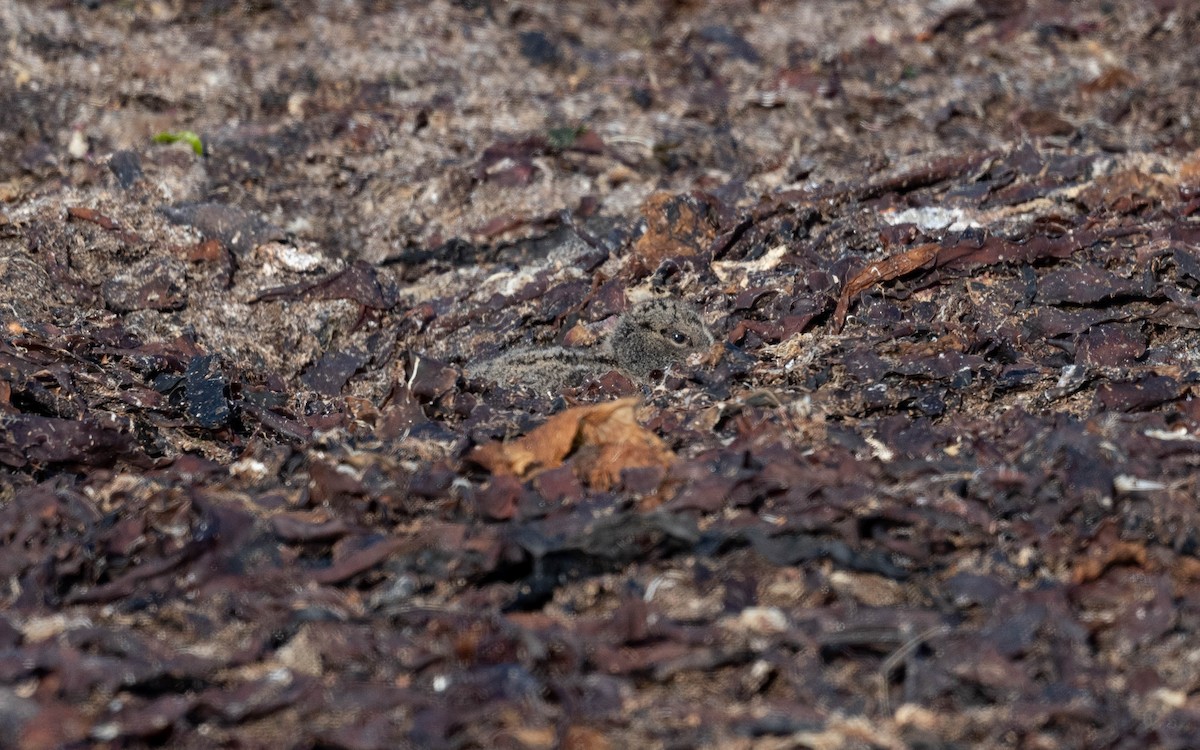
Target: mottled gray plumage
x=650 y=336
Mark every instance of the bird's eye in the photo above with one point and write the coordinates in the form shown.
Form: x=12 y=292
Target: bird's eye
x=680 y=338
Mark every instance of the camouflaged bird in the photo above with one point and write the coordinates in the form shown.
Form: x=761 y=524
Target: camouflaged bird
x=649 y=337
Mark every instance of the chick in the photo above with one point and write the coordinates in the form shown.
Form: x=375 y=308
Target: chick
x=649 y=337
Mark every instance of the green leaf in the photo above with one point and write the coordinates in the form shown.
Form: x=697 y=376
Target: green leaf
x=187 y=136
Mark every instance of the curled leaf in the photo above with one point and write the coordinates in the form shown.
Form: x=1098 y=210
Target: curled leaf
x=187 y=136
x=600 y=441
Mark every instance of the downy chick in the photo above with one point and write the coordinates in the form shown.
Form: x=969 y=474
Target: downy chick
x=649 y=337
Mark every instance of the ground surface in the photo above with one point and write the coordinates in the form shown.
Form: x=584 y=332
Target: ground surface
x=935 y=486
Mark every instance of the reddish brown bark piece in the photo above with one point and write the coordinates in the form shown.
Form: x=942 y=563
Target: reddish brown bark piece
x=891 y=267
x=104 y=222
x=307 y=526
x=359 y=561
x=360 y=283
x=1111 y=345
x=1084 y=287
x=1136 y=395
x=92 y=215
x=94 y=441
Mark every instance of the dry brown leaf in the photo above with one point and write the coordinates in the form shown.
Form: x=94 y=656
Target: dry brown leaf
x=891 y=267
x=1105 y=550
x=601 y=440
x=675 y=226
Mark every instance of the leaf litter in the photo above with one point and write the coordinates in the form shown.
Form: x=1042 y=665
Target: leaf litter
x=935 y=486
